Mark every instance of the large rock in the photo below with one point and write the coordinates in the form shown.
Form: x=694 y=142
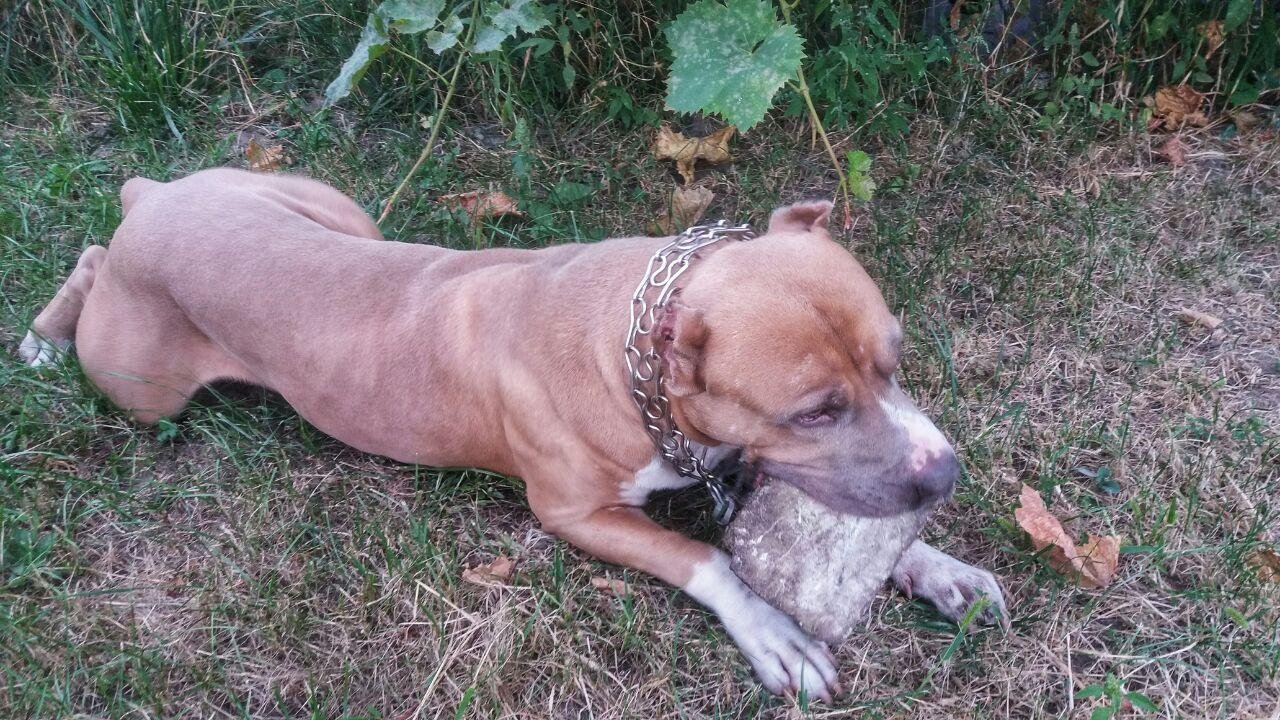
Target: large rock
x=818 y=566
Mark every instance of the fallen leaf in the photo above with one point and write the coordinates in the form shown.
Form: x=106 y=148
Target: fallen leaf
x=1092 y=565
x=1267 y=562
x=611 y=585
x=954 y=15
x=1174 y=150
x=1179 y=106
x=1195 y=317
x=497 y=572
x=264 y=159
x=1213 y=34
x=684 y=209
x=478 y=204
x=687 y=151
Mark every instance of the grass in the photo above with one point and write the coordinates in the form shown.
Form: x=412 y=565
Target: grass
x=237 y=563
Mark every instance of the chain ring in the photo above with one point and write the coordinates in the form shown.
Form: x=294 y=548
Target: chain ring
x=645 y=368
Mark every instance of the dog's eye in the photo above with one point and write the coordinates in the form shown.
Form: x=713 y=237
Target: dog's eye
x=816 y=417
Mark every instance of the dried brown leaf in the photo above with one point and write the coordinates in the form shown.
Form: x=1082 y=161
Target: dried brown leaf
x=1213 y=34
x=1179 y=106
x=685 y=208
x=1092 y=565
x=1174 y=150
x=1267 y=564
x=496 y=572
x=264 y=159
x=1195 y=317
x=480 y=204
x=611 y=585
x=686 y=151
x=954 y=15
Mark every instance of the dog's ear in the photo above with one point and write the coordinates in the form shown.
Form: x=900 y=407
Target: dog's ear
x=804 y=216
x=680 y=336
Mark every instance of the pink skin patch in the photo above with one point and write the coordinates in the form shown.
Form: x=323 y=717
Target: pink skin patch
x=927 y=442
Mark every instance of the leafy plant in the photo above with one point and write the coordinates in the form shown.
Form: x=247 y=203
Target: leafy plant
x=489 y=23
x=731 y=59
x=1114 y=691
x=864 y=68
x=858 y=170
x=152 y=59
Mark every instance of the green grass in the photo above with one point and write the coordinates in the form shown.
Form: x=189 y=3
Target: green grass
x=239 y=563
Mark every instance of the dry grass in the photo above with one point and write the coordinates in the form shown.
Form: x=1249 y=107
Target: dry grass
x=241 y=565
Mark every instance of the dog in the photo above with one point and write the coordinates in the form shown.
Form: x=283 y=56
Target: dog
x=780 y=348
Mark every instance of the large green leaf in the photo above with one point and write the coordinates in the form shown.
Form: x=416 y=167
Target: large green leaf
x=407 y=17
x=373 y=42
x=503 y=19
x=730 y=59
x=447 y=36
x=1237 y=12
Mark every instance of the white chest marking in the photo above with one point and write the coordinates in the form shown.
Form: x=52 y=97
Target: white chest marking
x=657 y=475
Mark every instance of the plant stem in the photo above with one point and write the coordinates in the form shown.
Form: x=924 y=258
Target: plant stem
x=803 y=88
x=431 y=140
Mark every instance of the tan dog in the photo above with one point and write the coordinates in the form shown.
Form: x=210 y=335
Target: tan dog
x=511 y=360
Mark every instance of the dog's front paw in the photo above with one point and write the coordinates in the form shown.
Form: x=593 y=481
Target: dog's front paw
x=949 y=584
x=784 y=657
x=36 y=351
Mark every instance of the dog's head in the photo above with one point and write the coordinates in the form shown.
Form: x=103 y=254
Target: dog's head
x=783 y=346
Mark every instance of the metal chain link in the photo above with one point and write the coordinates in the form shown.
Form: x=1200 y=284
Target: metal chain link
x=648 y=382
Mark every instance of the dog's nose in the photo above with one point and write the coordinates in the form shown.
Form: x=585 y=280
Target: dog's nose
x=937 y=479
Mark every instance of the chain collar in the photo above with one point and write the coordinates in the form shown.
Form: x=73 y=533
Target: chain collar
x=648 y=382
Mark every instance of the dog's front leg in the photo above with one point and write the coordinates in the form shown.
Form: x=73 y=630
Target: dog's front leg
x=951 y=585
x=785 y=659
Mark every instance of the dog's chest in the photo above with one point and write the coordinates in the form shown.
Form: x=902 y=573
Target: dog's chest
x=657 y=475
x=660 y=475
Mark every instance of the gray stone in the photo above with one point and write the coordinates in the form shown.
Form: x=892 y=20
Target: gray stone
x=818 y=566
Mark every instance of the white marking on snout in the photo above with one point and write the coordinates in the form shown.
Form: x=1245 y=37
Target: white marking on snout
x=927 y=441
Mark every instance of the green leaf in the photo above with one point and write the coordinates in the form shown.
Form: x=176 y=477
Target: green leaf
x=410 y=16
x=859 y=161
x=860 y=183
x=1106 y=712
x=1142 y=702
x=373 y=42
x=862 y=187
x=567 y=192
x=503 y=19
x=730 y=59
x=447 y=36
x=1090 y=691
x=1237 y=12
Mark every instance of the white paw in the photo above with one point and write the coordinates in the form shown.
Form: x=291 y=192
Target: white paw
x=784 y=657
x=950 y=585
x=36 y=351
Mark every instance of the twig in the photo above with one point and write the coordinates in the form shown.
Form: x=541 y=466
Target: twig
x=440 y=114
x=803 y=88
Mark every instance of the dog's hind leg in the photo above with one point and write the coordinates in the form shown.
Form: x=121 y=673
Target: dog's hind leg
x=54 y=329
x=139 y=349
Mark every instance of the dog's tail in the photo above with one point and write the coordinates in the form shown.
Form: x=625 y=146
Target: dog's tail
x=134 y=189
